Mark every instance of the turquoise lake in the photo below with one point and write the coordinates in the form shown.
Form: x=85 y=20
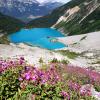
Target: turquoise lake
x=41 y=37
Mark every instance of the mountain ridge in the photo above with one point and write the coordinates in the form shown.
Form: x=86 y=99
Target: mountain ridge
x=73 y=18
x=55 y=14
x=22 y=9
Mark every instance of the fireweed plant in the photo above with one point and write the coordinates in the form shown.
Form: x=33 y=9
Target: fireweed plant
x=19 y=81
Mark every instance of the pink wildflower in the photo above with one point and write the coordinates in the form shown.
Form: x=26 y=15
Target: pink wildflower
x=65 y=95
x=20 y=79
x=85 y=90
x=27 y=76
x=73 y=85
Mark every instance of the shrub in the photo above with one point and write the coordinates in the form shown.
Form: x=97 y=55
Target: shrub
x=9 y=83
x=57 y=82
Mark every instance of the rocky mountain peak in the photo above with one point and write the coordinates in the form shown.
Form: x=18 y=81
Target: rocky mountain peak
x=22 y=9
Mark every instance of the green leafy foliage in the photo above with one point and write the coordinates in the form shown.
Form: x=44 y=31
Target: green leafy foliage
x=56 y=82
x=9 y=83
x=71 y=55
x=45 y=91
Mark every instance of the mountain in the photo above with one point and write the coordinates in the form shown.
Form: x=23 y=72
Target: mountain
x=75 y=17
x=52 y=4
x=26 y=9
x=9 y=24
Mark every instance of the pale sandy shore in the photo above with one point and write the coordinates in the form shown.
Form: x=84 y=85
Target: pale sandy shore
x=31 y=54
x=80 y=43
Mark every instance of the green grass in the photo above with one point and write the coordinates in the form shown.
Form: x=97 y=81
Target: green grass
x=97 y=62
x=4 y=40
x=71 y=55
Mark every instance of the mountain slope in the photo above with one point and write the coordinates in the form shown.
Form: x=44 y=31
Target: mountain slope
x=76 y=17
x=9 y=24
x=26 y=9
x=80 y=19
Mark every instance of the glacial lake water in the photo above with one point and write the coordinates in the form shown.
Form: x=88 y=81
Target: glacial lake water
x=41 y=37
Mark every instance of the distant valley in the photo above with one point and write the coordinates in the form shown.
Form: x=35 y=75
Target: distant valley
x=27 y=10
x=75 y=17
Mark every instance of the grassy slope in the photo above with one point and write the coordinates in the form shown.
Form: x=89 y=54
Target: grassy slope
x=90 y=24
x=9 y=24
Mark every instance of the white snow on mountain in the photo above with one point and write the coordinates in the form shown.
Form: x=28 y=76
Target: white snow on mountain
x=28 y=1
x=22 y=9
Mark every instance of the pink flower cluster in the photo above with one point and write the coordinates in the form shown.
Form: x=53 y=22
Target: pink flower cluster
x=74 y=86
x=52 y=75
x=38 y=76
x=83 y=90
x=84 y=72
x=86 y=90
x=65 y=95
x=6 y=64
